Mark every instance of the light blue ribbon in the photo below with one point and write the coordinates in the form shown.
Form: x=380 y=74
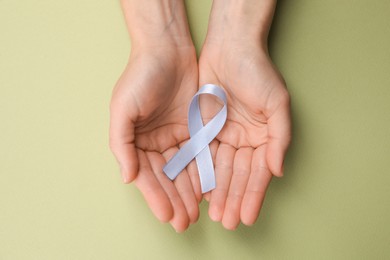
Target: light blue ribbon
x=201 y=135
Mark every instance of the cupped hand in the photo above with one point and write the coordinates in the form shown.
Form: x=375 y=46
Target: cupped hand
x=148 y=123
x=254 y=140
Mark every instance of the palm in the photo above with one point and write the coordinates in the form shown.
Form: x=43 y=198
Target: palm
x=148 y=122
x=160 y=103
x=246 y=150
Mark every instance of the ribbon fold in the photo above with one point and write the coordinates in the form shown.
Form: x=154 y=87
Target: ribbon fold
x=201 y=136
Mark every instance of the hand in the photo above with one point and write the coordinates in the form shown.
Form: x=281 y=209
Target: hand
x=148 y=122
x=256 y=135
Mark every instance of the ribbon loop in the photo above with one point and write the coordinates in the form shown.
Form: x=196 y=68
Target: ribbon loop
x=201 y=136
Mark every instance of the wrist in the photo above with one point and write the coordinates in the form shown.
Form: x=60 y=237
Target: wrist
x=240 y=20
x=157 y=23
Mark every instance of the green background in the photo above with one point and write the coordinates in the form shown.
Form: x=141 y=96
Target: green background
x=61 y=195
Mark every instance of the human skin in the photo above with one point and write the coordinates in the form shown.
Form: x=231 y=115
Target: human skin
x=251 y=147
x=148 y=108
x=149 y=103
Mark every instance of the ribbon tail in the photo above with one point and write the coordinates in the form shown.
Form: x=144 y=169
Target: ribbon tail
x=206 y=170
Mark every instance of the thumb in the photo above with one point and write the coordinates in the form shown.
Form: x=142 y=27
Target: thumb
x=122 y=141
x=279 y=134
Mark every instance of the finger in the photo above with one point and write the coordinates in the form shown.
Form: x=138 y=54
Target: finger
x=181 y=220
x=241 y=170
x=193 y=173
x=214 y=148
x=184 y=187
x=279 y=134
x=258 y=182
x=153 y=192
x=122 y=141
x=223 y=173
x=207 y=196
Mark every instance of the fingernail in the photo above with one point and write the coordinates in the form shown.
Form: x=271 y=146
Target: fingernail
x=214 y=214
x=125 y=176
x=282 y=169
x=178 y=231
